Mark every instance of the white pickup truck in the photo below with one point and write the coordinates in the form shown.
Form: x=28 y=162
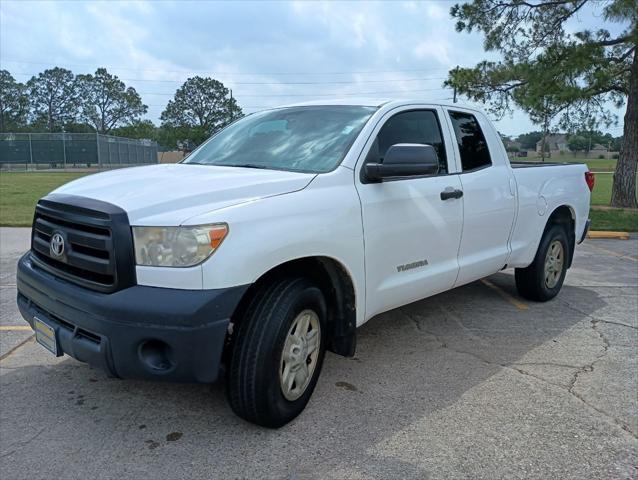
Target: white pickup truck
x=274 y=240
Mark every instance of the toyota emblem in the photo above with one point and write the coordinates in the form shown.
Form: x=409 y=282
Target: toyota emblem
x=57 y=245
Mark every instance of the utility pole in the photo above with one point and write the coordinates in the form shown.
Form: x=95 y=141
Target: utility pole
x=230 y=106
x=30 y=152
x=455 y=71
x=544 y=142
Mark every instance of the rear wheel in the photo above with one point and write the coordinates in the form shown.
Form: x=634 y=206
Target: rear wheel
x=543 y=278
x=278 y=353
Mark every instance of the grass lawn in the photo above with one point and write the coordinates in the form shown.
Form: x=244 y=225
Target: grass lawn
x=614 y=220
x=602 y=190
x=19 y=193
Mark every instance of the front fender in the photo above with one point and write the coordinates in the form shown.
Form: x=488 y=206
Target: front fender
x=323 y=220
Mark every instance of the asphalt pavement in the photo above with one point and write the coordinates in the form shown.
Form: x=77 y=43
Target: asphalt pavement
x=472 y=383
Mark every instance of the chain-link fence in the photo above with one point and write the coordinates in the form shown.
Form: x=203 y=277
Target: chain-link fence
x=48 y=151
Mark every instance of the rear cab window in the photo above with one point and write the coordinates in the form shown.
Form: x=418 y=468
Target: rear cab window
x=473 y=148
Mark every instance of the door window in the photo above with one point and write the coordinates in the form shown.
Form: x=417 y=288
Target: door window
x=472 y=144
x=415 y=126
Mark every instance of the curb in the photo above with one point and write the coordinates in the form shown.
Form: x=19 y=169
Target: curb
x=606 y=234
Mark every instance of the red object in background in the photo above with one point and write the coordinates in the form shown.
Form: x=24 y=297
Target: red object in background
x=590 y=179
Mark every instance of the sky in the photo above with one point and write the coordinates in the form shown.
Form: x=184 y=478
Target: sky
x=268 y=53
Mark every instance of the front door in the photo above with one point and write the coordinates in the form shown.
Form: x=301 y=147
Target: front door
x=411 y=234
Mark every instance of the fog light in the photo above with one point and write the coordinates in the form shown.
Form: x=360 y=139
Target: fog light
x=156 y=355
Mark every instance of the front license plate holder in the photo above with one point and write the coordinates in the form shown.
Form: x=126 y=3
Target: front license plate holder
x=45 y=336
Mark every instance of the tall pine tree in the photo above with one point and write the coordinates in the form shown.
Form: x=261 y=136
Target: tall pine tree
x=552 y=72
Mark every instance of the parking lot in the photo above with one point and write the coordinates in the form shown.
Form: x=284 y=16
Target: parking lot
x=472 y=383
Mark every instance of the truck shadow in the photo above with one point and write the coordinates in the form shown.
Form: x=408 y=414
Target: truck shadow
x=410 y=364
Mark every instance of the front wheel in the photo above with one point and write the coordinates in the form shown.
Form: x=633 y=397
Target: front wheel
x=543 y=278
x=278 y=353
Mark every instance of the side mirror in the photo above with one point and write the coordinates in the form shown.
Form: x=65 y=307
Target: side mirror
x=404 y=160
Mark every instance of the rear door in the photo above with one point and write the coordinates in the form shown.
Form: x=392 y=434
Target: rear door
x=489 y=196
x=411 y=235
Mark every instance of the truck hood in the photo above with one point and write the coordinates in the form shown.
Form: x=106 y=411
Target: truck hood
x=168 y=195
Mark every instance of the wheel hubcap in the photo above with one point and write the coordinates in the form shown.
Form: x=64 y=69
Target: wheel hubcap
x=554 y=261
x=299 y=356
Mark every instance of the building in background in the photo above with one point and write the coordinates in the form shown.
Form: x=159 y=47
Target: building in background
x=553 y=143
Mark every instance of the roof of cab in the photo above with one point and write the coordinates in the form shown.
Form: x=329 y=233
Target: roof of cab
x=355 y=101
x=375 y=102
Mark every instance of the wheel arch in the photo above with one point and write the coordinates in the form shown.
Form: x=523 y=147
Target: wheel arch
x=337 y=286
x=564 y=215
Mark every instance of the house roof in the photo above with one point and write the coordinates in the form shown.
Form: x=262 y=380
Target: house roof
x=553 y=139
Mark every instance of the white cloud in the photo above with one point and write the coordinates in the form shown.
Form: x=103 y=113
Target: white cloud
x=395 y=48
x=436 y=12
x=431 y=49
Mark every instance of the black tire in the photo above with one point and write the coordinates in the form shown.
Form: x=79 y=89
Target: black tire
x=530 y=281
x=253 y=384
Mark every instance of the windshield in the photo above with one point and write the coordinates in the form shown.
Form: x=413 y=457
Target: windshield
x=302 y=139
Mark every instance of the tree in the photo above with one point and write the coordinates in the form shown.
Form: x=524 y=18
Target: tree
x=551 y=73
x=578 y=143
x=512 y=148
x=182 y=138
x=54 y=98
x=508 y=143
x=79 y=127
x=200 y=107
x=107 y=102
x=529 y=140
x=144 y=129
x=14 y=103
x=593 y=138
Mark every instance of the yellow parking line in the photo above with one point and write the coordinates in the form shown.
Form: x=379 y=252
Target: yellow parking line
x=15 y=328
x=518 y=304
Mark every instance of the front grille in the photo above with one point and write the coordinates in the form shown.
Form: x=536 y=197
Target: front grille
x=91 y=239
x=86 y=253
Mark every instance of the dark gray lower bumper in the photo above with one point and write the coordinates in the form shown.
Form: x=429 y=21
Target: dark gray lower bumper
x=138 y=332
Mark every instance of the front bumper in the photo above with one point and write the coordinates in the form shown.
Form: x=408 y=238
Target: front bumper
x=139 y=332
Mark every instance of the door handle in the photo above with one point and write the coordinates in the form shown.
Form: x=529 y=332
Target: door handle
x=451 y=193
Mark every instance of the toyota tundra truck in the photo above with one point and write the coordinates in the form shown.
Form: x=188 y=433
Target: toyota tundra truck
x=284 y=232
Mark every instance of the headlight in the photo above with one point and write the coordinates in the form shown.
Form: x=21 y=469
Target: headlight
x=177 y=246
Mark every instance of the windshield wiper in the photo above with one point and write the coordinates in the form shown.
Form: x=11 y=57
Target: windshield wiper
x=240 y=165
x=246 y=165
